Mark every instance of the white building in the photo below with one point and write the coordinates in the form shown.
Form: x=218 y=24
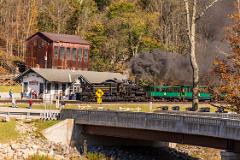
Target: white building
x=55 y=81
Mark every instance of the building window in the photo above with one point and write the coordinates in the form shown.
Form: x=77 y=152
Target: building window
x=48 y=87
x=85 y=55
x=62 y=52
x=68 y=54
x=63 y=87
x=56 y=86
x=35 y=43
x=80 y=55
x=74 y=54
x=41 y=88
x=56 y=52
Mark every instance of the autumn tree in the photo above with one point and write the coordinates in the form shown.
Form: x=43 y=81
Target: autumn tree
x=120 y=34
x=55 y=14
x=228 y=69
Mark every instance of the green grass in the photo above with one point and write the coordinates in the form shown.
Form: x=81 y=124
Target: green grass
x=15 y=89
x=144 y=106
x=41 y=125
x=96 y=156
x=8 y=132
x=39 y=157
x=129 y=106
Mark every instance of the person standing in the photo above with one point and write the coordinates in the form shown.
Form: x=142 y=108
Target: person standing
x=62 y=102
x=57 y=101
x=13 y=102
x=30 y=103
x=21 y=94
x=10 y=93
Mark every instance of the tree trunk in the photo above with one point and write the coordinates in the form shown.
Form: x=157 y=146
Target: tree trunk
x=58 y=20
x=194 y=64
x=238 y=7
x=191 y=24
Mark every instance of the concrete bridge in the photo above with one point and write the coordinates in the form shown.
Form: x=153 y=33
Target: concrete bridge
x=220 y=131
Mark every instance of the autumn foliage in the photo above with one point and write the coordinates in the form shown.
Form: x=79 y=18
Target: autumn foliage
x=228 y=70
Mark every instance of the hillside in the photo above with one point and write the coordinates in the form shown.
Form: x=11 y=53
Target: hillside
x=118 y=30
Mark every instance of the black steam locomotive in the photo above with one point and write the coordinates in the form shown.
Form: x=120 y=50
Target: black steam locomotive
x=113 y=91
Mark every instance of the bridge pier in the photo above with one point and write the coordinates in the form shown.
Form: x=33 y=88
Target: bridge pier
x=226 y=155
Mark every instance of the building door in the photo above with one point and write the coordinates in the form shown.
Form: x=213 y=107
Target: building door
x=25 y=86
x=63 y=88
x=41 y=88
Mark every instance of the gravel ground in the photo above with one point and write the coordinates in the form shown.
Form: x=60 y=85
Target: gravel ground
x=202 y=153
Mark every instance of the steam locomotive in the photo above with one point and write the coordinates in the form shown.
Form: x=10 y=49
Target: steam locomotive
x=129 y=91
x=113 y=91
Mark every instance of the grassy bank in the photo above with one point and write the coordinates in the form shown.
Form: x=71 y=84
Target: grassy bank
x=8 y=132
x=15 y=89
x=41 y=125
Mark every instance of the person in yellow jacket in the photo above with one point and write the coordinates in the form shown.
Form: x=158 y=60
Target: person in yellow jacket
x=99 y=94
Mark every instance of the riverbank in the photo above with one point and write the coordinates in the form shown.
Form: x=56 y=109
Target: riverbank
x=30 y=143
x=23 y=140
x=202 y=153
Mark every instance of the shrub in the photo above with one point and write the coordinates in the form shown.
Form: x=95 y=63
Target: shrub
x=96 y=156
x=39 y=157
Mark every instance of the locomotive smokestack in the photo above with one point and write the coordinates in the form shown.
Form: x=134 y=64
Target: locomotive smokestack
x=137 y=78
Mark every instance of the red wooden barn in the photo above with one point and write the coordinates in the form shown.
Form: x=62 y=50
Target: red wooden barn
x=50 y=50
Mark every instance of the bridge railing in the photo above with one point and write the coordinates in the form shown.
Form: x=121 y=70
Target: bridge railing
x=186 y=123
x=202 y=114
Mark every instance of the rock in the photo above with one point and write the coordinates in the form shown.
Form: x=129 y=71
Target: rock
x=41 y=153
x=28 y=144
x=6 y=118
x=19 y=118
x=28 y=120
x=14 y=147
x=51 y=152
x=59 y=157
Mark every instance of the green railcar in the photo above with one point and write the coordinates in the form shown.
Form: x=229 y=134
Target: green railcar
x=165 y=92
x=203 y=93
x=177 y=92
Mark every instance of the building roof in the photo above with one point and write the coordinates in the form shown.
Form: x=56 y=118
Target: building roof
x=54 y=37
x=69 y=76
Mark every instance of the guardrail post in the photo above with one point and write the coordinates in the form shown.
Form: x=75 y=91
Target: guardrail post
x=28 y=115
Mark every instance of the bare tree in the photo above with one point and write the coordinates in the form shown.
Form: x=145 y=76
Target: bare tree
x=192 y=16
x=59 y=12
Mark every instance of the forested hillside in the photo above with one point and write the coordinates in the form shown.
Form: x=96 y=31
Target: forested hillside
x=117 y=29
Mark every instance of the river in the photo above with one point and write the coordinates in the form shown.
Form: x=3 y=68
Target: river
x=139 y=153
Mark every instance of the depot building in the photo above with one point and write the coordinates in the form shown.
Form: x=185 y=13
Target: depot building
x=66 y=81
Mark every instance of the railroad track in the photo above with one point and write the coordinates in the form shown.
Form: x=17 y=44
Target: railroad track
x=40 y=101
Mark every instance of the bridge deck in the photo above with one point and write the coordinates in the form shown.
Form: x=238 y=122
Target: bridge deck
x=225 y=126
